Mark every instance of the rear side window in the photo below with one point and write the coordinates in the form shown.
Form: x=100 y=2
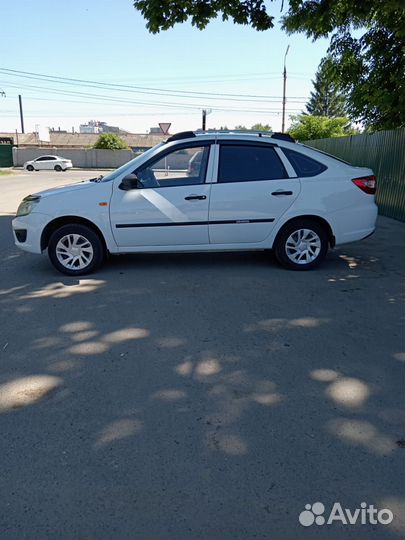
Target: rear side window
x=240 y=163
x=304 y=165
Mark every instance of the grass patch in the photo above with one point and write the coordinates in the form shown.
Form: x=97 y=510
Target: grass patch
x=6 y=172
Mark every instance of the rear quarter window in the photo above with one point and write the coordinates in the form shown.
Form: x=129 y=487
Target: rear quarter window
x=244 y=163
x=303 y=165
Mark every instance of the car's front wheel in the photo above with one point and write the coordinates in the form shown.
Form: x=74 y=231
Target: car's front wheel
x=30 y=168
x=301 y=244
x=75 y=250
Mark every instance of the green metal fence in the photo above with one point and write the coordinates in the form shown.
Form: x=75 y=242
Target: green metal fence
x=384 y=152
x=6 y=152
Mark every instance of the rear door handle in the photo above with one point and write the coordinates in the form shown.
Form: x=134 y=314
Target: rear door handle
x=195 y=198
x=282 y=192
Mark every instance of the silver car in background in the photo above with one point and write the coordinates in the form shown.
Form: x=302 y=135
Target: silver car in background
x=48 y=163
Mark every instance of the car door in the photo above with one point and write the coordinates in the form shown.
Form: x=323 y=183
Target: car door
x=253 y=190
x=40 y=163
x=47 y=163
x=168 y=205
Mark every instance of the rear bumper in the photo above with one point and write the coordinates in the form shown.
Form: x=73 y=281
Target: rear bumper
x=368 y=236
x=355 y=223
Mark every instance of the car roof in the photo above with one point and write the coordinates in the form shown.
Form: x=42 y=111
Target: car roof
x=233 y=134
x=272 y=138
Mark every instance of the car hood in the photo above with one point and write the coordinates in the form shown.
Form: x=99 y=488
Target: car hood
x=60 y=190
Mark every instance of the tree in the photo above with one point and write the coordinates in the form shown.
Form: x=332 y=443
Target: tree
x=255 y=127
x=261 y=127
x=306 y=127
x=326 y=99
x=110 y=141
x=164 y=15
x=370 y=69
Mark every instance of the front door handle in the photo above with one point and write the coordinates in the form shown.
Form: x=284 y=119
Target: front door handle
x=195 y=198
x=282 y=192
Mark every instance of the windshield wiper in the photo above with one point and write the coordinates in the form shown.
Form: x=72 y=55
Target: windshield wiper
x=98 y=179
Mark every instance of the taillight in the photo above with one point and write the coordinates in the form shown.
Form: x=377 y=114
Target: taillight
x=368 y=184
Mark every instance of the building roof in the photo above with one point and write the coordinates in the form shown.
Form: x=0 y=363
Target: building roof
x=80 y=140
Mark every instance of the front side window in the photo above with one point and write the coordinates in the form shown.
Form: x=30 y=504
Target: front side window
x=182 y=167
x=303 y=165
x=43 y=158
x=249 y=163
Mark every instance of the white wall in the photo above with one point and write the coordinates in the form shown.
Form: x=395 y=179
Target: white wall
x=81 y=157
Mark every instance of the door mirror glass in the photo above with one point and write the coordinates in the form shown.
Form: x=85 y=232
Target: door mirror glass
x=130 y=181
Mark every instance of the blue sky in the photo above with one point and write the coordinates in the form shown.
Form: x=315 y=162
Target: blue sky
x=106 y=41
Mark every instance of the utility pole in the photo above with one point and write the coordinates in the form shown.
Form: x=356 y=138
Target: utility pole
x=284 y=90
x=21 y=113
x=205 y=112
x=204 y=119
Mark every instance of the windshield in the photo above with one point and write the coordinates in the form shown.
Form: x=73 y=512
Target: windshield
x=129 y=165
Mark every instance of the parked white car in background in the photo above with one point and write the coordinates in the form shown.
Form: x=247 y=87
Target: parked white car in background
x=245 y=191
x=48 y=163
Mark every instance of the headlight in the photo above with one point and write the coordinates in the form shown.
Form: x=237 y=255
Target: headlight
x=27 y=205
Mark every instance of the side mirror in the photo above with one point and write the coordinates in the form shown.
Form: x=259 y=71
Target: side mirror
x=130 y=181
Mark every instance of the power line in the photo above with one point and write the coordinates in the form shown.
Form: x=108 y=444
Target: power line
x=28 y=97
x=138 y=89
x=137 y=102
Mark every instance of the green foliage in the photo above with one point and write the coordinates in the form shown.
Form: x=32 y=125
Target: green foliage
x=255 y=127
x=163 y=14
x=261 y=127
x=305 y=127
x=110 y=141
x=326 y=99
x=370 y=69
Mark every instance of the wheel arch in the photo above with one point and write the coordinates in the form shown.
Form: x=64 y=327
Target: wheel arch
x=318 y=219
x=56 y=223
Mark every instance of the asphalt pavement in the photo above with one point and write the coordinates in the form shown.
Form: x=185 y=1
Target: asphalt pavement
x=199 y=396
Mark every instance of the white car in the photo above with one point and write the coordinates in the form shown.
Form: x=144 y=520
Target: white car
x=48 y=163
x=250 y=191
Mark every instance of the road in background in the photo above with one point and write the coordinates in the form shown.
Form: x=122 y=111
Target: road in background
x=199 y=396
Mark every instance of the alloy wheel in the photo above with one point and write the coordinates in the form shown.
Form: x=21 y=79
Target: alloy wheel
x=74 y=251
x=303 y=246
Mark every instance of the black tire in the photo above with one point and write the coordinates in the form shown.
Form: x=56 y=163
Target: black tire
x=83 y=232
x=312 y=256
x=30 y=168
x=58 y=168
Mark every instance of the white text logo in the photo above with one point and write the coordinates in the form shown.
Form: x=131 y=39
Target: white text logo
x=366 y=514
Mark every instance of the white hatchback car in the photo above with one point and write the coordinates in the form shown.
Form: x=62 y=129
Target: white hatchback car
x=48 y=163
x=245 y=191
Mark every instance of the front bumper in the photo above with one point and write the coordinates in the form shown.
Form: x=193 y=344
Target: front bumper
x=27 y=231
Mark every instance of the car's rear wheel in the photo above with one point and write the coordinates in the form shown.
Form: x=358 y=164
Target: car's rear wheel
x=58 y=168
x=301 y=244
x=75 y=250
x=30 y=168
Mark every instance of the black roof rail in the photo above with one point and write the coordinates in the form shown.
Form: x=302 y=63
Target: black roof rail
x=181 y=135
x=283 y=137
